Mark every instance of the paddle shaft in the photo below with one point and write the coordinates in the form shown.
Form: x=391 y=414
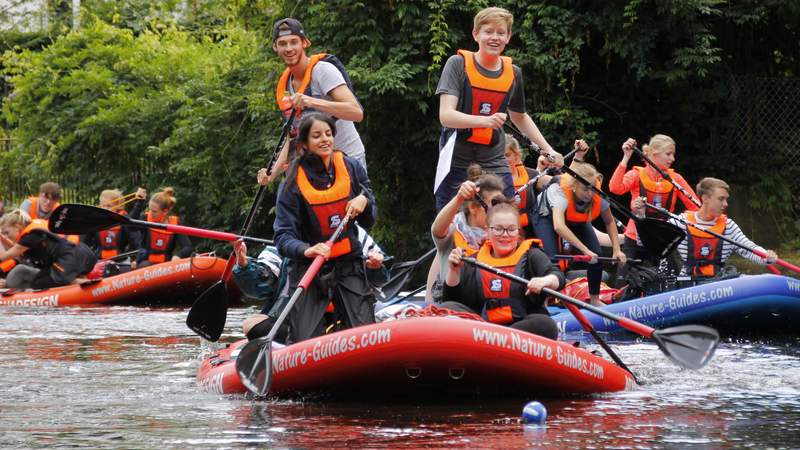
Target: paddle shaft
x=666 y=176
x=755 y=251
x=624 y=322
x=311 y=272
x=525 y=186
x=262 y=189
x=198 y=232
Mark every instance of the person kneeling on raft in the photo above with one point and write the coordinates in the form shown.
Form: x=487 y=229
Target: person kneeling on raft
x=264 y=279
x=57 y=261
x=322 y=187
x=469 y=289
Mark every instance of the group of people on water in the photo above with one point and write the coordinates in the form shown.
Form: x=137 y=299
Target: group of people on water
x=490 y=206
x=32 y=257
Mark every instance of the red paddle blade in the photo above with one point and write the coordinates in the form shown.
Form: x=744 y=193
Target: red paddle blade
x=209 y=312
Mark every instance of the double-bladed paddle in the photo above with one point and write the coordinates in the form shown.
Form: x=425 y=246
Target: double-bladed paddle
x=658 y=237
x=254 y=363
x=209 y=312
x=755 y=251
x=72 y=218
x=690 y=346
x=399 y=276
x=587 y=258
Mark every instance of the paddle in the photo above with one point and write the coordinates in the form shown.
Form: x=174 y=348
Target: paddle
x=755 y=251
x=530 y=183
x=401 y=272
x=209 y=312
x=689 y=346
x=254 y=363
x=587 y=258
x=666 y=176
x=658 y=237
x=81 y=219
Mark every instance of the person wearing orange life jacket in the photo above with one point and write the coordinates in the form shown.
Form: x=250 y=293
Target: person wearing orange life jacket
x=647 y=182
x=41 y=206
x=314 y=83
x=499 y=300
x=111 y=242
x=461 y=223
x=477 y=92
x=321 y=188
x=59 y=261
x=160 y=245
x=566 y=209
x=703 y=254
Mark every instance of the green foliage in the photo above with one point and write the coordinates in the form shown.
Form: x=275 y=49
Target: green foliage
x=152 y=92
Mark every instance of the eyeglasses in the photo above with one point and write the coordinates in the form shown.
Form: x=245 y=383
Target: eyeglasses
x=510 y=231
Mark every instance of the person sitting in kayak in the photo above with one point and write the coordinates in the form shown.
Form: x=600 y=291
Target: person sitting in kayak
x=704 y=255
x=647 y=182
x=566 y=209
x=321 y=188
x=264 y=278
x=470 y=289
x=159 y=246
x=461 y=223
x=113 y=241
x=523 y=176
x=41 y=206
x=57 y=261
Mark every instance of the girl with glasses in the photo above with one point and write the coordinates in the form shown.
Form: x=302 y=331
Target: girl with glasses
x=470 y=289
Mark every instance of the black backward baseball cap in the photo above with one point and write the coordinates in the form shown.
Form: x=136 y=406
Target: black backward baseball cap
x=286 y=27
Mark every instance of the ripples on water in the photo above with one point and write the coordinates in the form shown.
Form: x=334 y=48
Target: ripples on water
x=125 y=378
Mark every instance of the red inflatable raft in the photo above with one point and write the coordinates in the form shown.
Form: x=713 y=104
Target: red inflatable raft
x=170 y=283
x=424 y=356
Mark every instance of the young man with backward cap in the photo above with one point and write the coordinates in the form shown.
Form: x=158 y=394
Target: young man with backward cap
x=314 y=83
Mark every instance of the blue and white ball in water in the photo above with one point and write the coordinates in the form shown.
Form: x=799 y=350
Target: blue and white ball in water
x=534 y=413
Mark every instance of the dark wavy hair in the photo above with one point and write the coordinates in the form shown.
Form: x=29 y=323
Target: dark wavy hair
x=298 y=146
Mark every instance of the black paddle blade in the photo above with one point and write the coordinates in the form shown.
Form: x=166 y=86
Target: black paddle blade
x=658 y=237
x=71 y=218
x=254 y=365
x=690 y=346
x=209 y=312
x=399 y=277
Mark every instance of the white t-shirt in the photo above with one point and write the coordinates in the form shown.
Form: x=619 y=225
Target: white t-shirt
x=325 y=77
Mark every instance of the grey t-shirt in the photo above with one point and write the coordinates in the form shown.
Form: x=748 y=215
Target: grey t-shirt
x=452 y=82
x=325 y=77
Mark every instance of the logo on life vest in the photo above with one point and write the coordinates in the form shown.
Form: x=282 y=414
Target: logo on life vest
x=159 y=242
x=485 y=109
x=110 y=237
x=657 y=200
x=566 y=245
x=496 y=285
x=517 y=199
x=334 y=221
x=705 y=250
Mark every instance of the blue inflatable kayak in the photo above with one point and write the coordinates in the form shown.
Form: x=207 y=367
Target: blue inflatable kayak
x=753 y=305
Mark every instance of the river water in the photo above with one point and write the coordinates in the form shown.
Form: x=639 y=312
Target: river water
x=125 y=378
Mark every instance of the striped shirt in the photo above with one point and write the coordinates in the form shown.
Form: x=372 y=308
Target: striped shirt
x=732 y=232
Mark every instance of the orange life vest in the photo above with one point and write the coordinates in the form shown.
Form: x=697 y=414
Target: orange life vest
x=281 y=90
x=485 y=96
x=109 y=239
x=36 y=224
x=521 y=179
x=7 y=265
x=328 y=205
x=34 y=213
x=499 y=307
x=461 y=242
x=658 y=192
x=572 y=214
x=159 y=240
x=704 y=251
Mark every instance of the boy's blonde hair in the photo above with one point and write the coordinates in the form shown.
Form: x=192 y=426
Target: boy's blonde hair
x=707 y=185
x=493 y=15
x=111 y=195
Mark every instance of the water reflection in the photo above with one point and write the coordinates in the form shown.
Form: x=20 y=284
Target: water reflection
x=125 y=377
